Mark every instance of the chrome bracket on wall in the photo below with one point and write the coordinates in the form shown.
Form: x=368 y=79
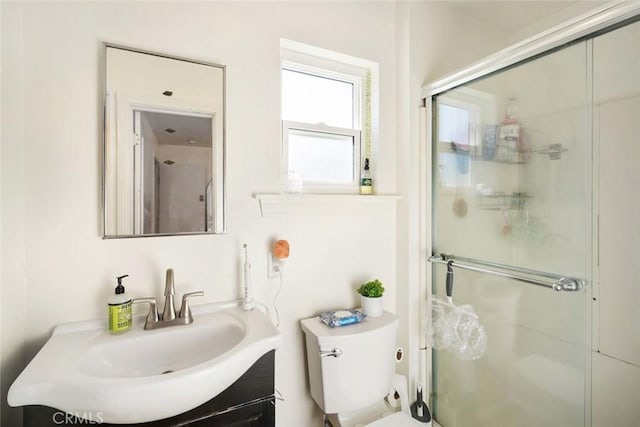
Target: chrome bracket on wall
x=554 y=151
x=568 y=284
x=524 y=275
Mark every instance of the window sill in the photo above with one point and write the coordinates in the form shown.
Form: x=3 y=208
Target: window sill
x=272 y=204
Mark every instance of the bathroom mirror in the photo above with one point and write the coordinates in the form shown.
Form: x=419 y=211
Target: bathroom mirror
x=164 y=145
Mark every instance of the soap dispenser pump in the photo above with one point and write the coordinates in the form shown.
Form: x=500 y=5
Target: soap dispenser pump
x=119 y=309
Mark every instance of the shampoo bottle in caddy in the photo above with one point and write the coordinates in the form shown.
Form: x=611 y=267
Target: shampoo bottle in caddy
x=119 y=309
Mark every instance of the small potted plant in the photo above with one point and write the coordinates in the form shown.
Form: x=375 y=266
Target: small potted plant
x=371 y=298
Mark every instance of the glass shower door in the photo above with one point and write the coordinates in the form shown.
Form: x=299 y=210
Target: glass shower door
x=511 y=175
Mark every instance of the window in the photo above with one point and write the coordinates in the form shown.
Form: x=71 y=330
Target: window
x=455 y=124
x=309 y=96
x=324 y=106
x=458 y=139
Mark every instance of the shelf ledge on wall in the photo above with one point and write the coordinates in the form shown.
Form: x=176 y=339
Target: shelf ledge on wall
x=272 y=204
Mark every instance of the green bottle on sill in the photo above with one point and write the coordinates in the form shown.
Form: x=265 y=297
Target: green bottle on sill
x=366 y=182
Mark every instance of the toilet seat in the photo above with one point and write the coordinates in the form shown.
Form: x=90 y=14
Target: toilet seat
x=397 y=419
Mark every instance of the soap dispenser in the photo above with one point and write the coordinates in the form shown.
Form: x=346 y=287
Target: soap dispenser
x=119 y=309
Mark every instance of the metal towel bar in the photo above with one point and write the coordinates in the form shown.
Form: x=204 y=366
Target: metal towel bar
x=557 y=283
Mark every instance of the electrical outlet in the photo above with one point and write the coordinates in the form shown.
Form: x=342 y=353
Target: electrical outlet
x=272 y=266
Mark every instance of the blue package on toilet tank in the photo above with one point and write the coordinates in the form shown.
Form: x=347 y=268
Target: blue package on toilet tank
x=335 y=318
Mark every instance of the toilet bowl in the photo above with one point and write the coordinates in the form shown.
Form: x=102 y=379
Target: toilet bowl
x=351 y=372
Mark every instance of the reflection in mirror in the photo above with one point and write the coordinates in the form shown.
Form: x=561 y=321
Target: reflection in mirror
x=164 y=145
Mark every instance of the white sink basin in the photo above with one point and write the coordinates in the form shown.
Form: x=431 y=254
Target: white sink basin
x=162 y=351
x=143 y=375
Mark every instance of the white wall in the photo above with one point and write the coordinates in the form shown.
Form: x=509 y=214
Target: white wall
x=616 y=335
x=572 y=10
x=13 y=272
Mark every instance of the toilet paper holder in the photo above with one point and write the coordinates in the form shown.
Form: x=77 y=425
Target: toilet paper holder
x=334 y=352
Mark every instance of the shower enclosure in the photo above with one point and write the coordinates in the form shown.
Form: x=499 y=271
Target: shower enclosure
x=515 y=205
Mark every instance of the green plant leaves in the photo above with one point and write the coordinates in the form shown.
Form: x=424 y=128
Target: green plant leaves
x=371 y=289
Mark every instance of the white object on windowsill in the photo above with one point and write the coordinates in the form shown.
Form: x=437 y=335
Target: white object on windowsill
x=292 y=183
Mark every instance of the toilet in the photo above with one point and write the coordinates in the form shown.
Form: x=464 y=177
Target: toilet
x=351 y=371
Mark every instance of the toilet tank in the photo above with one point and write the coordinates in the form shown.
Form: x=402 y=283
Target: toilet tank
x=361 y=375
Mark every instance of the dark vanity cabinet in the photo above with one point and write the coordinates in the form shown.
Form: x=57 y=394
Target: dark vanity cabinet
x=248 y=402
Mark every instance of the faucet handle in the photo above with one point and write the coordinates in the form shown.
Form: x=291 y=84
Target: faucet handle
x=185 y=311
x=152 y=317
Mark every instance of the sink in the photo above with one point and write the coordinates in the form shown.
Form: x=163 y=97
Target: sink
x=143 y=375
x=159 y=351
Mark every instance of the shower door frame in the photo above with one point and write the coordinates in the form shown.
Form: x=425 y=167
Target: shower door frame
x=602 y=19
x=584 y=27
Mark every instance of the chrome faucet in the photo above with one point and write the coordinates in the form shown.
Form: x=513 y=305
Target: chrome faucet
x=169 y=312
x=168 y=317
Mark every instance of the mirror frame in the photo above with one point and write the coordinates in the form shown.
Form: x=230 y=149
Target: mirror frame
x=220 y=224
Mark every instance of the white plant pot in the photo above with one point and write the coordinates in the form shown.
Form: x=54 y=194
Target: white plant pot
x=372 y=307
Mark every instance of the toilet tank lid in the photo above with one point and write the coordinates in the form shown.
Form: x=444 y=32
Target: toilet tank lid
x=316 y=327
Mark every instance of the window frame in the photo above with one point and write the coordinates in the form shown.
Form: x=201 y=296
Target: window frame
x=482 y=109
x=357 y=94
x=445 y=147
x=312 y=186
x=318 y=62
x=474 y=119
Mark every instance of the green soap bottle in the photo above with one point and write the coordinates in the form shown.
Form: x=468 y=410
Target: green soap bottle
x=119 y=309
x=366 y=182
